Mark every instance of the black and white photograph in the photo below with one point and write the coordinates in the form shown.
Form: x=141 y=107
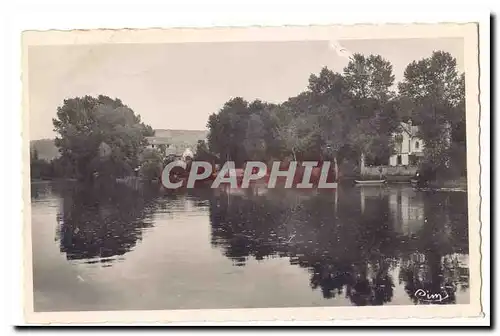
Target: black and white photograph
x=249 y=168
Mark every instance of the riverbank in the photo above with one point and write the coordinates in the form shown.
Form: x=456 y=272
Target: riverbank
x=53 y=180
x=458 y=183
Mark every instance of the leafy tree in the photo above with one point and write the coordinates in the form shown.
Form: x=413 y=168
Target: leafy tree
x=436 y=92
x=369 y=78
x=321 y=116
x=254 y=144
x=203 y=153
x=241 y=131
x=354 y=110
x=62 y=168
x=369 y=140
x=99 y=135
x=327 y=83
x=369 y=81
x=287 y=133
x=162 y=149
x=342 y=116
x=227 y=130
x=151 y=165
x=39 y=169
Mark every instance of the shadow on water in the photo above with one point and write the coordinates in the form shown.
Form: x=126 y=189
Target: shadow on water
x=356 y=243
x=98 y=223
x=40 y=190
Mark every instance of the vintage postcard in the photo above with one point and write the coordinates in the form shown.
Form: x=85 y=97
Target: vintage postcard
x=239 y=174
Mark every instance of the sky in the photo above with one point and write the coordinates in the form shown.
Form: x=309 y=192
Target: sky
x=178 y=85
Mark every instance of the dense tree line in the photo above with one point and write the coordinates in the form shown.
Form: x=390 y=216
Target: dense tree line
x=343 y=115
x=338 y=116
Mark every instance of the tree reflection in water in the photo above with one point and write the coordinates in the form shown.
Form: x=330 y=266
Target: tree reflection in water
x=97 y=224
x=353 y=246
x=436 y=265
x=39 y=190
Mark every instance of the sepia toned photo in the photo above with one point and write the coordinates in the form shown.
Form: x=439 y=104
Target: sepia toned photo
x=251 y=173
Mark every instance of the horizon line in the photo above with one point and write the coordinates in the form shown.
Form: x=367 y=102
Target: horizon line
x=155 y=129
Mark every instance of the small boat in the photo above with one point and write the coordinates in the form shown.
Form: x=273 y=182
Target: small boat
x=370 y=182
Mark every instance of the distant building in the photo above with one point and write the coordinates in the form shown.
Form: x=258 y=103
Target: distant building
x=408 y=146
x=188 y=154
x=158 y=142
x=176 y=142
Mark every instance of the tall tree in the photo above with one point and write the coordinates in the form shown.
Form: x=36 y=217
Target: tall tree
x=242 y=131
x=295 y=135
x=327 y=83
x=437 y=95
x=203 y=153
x=369 y=78
x=329 y=107
x=99 y=135
x=227 y=130
x=254 y=144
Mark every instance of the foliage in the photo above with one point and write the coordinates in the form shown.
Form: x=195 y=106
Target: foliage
x=345 y=115
x=434 y=92
x=254 y=144
x=235 y=131
x=226 y=131
x=369 y=78
x=99 y=135
x=314 y=125
x=338 y=116
x=39 y=169
x=42 y=169
x=151 y=165
x=203 y=153
x=296 y=134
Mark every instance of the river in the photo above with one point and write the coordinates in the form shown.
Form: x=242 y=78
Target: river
x=116 y=248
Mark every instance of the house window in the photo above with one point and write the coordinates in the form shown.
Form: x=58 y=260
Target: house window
x=399 y=160
x=399 y=142
x=417 y=145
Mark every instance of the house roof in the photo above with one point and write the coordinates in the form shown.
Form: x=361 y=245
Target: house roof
x=410 y=129
x=158 y=140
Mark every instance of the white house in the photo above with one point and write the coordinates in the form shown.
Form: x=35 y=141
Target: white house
x=409 y=147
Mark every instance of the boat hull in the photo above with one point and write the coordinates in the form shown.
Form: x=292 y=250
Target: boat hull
x=370 y=182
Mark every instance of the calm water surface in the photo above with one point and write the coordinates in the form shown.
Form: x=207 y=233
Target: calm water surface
x=114 y=248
